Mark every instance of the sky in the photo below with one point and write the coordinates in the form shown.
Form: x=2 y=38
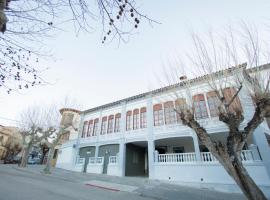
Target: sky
x=94 y=74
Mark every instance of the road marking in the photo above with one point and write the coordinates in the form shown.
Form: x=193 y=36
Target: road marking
x=111 y=186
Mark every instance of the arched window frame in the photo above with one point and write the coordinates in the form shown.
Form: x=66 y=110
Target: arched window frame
x=136 y=119
x=158 y=115
x=117 y=122
x=84 y=131
x=129 y=120
x=213 y=103
x=143 y=117
x=169 y=113
x=180 y=106
x=90 y=127
x=200 y=107
x=103 y=126
x=95 y=128
x=110 y=123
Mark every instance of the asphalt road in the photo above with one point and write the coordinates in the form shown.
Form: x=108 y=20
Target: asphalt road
x=31 y=184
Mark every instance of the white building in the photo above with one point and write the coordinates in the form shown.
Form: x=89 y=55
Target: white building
x=142 y=136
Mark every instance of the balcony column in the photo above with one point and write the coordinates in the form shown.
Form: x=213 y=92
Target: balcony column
x=151 y=142
x=96 y=150
x=196 y=147
x=260 y=140
x=122 y=158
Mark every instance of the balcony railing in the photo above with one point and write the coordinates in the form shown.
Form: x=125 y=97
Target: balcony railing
x=98 y=160
x=112 y=159
x=80 y=160
x=177 y=157
x=206 y=157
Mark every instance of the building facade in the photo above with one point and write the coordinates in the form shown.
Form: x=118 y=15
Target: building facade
x=143 y=136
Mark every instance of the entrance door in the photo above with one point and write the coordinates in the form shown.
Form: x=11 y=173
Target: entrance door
x=106 y=162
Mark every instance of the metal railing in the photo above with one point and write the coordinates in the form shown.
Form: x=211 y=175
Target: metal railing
x=80 y=160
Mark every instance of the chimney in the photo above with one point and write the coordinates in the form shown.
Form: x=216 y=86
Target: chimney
x=182 y=78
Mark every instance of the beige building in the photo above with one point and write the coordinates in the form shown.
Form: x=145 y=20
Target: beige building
x=8 y=136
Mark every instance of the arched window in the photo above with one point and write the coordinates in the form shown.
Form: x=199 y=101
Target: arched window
x=129 y=121
x=95 y=128
x=136 y=119
x=85 y=125
x=90 y=127
x=169 y=112
x=228 y=95
x=103 y=126
x=213 y=103
x=158 y=115
x=110 y=123
x=143 y=119
x=117 y=122
x=180 y=106
x=200 y=106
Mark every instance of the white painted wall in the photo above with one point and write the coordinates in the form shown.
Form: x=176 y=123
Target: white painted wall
x=95 y=168
x=65 y=158
x=207 y=173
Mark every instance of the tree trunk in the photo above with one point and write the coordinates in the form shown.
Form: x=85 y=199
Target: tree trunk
x=47 y=169
x=25 y=155
x=249 y=188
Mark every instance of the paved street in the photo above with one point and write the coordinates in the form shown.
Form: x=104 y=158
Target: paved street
x=30 y=184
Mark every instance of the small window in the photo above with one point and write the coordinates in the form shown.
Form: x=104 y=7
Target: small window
x=90 y=128
x=228 y=95
x=180 y=106
x=84 y=131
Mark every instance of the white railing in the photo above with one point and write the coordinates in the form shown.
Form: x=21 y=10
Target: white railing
x=177 y=157
x=93 y=160
x=208 y=157
x=246 y=155
x=80 y=160
x=112 y=159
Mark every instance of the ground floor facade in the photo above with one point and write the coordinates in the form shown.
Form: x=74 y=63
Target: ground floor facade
x=180 y=160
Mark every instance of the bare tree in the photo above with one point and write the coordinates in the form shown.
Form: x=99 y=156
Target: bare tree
x=28 y=24
x=63 y=124
x=212 y=58
x=34 y=128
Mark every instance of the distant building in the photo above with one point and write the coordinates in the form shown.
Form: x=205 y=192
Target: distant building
x=8 y=136
x=142 y=136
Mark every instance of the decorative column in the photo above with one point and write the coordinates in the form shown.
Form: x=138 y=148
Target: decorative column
x=196 y=146
x=151 y=142
x=122 y=145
